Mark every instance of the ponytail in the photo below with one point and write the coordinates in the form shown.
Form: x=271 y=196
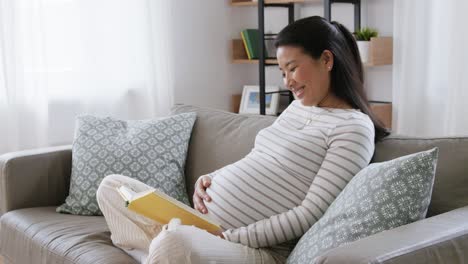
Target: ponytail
x=352 y=46
x=357 y=95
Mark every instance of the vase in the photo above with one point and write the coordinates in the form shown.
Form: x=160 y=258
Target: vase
x=363 y=47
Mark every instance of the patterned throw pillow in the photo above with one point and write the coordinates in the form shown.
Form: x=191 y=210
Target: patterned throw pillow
x=380 y=197
x=151 y=151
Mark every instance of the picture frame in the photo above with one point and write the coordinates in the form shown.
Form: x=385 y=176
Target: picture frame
x=250 y=101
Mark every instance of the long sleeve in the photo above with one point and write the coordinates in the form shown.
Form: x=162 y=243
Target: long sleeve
x=350 y=149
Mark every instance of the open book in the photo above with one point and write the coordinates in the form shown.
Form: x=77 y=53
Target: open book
x=160 y=207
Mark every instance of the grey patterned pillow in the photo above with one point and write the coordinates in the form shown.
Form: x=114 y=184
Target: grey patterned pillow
x=380 y=197
x=151 y=151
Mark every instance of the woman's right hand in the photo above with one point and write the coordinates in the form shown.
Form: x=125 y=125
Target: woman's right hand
x=199 y=195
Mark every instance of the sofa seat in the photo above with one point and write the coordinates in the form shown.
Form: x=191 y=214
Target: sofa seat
x=43 y=235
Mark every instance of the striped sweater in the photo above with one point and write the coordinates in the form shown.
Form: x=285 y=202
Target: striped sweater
x=296 y=169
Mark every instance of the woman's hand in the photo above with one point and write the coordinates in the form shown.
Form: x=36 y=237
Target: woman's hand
x=218 y=233
x=199 y=195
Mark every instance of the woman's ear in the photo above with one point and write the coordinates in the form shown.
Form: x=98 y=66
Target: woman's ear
x=327 y=58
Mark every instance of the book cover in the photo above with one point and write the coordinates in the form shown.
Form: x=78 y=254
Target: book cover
x=246 y=46
x=160 y=207
x=252 y=39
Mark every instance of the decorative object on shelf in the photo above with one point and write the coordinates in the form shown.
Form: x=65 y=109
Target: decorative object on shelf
x=381 y=51
x=250 y=102
x=270 y=48
x=363 y=37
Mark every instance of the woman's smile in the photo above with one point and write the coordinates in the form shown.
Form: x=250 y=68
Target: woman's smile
x=298 y=92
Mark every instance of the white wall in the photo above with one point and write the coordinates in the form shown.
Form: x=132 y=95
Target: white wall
x=205 y=75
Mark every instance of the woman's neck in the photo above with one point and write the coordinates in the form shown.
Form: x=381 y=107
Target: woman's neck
x=332 y=101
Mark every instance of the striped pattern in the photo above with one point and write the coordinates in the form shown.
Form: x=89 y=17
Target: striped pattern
x=296 y=169
x=188 y=244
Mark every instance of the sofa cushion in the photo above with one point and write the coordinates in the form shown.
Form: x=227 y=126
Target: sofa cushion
x=451 y=180
x=218 y=138
x=151 y=151
x=380 y=197
x=51 y=238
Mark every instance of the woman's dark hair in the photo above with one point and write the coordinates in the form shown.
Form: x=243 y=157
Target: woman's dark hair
x=316 y=34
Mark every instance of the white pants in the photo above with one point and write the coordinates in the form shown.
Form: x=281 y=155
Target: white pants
x=149 y=242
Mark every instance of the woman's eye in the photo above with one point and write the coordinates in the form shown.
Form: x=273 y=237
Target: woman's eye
x=293 y=69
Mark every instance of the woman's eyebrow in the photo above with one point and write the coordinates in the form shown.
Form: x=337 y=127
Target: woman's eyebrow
x=289 y=62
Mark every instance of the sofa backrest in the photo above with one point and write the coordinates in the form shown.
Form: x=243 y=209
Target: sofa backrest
x=220 y=138
x=451 y=180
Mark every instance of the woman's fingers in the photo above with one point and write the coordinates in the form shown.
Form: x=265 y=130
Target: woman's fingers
x=199 y=204
x=206 y=181
x=200 y=195
x=201 y=187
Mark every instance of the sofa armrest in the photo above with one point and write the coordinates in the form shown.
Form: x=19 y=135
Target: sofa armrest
x=438 y=239
x=34 y=178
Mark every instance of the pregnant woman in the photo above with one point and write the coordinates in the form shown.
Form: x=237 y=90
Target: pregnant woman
x=296 y=169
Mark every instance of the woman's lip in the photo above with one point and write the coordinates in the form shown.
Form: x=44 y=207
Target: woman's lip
x=299 y=92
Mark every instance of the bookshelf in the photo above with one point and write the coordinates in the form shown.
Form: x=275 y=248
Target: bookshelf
x=255 y=3
x=380 y=53
x=381 y=48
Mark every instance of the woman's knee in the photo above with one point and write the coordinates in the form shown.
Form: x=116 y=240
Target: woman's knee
x=169 y=246
x=109 y=183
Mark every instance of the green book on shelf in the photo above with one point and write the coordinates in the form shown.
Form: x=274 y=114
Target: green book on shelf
x=246 y=47
x=252 y=39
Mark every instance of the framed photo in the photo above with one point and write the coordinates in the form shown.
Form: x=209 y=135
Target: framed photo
x=250 y=102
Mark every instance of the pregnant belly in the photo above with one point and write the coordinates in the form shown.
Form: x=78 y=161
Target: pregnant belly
x=228 y=208
x=235 y=204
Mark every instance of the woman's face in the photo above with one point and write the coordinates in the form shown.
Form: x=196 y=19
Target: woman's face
x=306 y=77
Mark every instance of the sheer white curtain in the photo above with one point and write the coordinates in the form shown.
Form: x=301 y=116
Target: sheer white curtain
x=430 y=73
x=61 y=58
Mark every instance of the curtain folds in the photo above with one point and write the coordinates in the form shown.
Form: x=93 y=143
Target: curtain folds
x=61 y=58
x=430 y=80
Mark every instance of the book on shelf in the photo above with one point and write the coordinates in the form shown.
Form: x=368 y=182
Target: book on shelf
x=160 y=207
x=247 y=50
x=250 y=37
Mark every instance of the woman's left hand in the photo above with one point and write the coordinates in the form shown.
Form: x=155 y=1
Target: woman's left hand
x=218 y=233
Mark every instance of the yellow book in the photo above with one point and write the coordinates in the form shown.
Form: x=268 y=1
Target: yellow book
x=246 y=46
x=160 y=207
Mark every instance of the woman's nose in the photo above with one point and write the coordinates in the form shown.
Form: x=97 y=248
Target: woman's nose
x=288 y=82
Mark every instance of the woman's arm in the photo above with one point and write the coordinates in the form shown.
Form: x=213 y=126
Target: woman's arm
x=351 y=146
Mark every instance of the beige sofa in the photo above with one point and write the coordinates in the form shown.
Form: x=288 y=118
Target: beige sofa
x=33 y=183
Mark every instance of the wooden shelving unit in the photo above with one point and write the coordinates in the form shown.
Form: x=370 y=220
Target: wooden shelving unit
x=381 y=51
x=240 y=56
x=383 y=110
x=381 y=48
x=254 y=3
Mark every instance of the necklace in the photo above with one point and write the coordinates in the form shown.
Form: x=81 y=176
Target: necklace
x=312 y=115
